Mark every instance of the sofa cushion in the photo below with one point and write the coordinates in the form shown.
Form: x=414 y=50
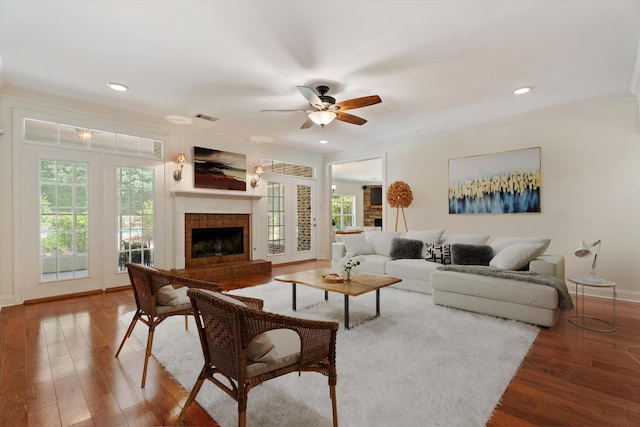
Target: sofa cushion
x=428 y=237
x=373 y=264
x=411 y=269
x=495 y=289
x=356 y=244
x=516 y=256
x=402 y=248
x=471 y=239
x=439 y=253
x=465 y=254
x=502 y=242
x=380 y=241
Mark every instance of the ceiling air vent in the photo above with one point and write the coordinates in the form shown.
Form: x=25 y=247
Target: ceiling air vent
x=205 y=117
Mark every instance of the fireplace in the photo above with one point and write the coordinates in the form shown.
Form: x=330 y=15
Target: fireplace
x=216 y=239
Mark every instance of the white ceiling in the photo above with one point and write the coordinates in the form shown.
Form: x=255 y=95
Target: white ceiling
x=365 y=171
x=437 y=65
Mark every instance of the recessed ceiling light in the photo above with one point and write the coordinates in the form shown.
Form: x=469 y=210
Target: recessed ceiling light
x=118 y=86
x=179 y=120
x=522 y=90
x=324 y=141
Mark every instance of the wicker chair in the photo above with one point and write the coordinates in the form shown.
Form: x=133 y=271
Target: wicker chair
x=227 y=330
x=147 y=284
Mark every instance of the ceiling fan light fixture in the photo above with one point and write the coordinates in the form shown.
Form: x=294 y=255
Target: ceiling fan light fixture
x=119 y=87
x=522 y=90
x=322 y=117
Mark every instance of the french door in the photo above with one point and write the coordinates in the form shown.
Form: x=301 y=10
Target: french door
x=83 y=213
x=291 y=219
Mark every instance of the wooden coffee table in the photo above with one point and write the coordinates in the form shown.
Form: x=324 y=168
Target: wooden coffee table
x=358 y=285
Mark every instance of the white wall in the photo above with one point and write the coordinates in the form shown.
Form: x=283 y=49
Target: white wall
x=590 y=166
x=6 y=213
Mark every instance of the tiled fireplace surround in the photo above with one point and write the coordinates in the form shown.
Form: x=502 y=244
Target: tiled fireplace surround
x=192 y=213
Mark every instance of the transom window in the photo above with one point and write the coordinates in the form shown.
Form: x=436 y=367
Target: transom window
x=78 y=137
x=284 y=168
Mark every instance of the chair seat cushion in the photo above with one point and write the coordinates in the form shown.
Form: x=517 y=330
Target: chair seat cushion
x=183 y=303
x=286 y=352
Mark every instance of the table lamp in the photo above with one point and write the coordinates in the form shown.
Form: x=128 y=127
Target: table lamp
x=583 y=250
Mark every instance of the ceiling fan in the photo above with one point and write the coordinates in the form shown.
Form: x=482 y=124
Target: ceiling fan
x=324 y=107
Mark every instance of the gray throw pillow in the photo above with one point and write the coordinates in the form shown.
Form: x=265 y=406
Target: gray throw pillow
x=465 y=254
x=405 y=248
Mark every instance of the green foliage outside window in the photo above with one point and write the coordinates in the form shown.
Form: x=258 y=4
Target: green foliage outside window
x=342 y=208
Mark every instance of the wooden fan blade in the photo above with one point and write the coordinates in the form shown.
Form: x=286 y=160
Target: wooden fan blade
x=310 y=96
x=350 y=118
x=307 y=124
x=365 y=101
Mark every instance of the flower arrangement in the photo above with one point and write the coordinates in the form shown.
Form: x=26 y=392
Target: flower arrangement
x=348 y=262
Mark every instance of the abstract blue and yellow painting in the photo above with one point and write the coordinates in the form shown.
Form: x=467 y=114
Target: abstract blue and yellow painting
x=507 y=182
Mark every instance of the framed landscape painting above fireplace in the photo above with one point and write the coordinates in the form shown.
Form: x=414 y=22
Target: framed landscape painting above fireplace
x=221 y=170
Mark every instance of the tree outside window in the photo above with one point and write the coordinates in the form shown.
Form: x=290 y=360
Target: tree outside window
x=342 y=211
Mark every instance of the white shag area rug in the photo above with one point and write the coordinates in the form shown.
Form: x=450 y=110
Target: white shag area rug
x=418 y=364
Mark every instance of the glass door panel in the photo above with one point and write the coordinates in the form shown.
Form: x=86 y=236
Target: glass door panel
x=290 y=219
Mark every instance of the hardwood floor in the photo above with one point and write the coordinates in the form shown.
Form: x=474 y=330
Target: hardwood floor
x=57 y=368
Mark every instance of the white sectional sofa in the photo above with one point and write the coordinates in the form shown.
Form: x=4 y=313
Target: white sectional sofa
x=385 y=253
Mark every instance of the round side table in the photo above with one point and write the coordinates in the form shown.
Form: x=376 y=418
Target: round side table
x=579 y=317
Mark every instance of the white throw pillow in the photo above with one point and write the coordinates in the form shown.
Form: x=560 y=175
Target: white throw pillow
x=356 y=244
x=380 y=241
x=469 y=239
x=516 y=256
x=502 y=242
x=429 y=237
x=166 y=295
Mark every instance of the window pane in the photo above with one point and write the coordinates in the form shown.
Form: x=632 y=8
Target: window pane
x=104 y=141
x=39 y=131
x=63 y=219
x=135 y=216
x=128 y=144
x=342 y=211
x=275 y=218
x=283 y=168
x=303 y=226
x=74 y=137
